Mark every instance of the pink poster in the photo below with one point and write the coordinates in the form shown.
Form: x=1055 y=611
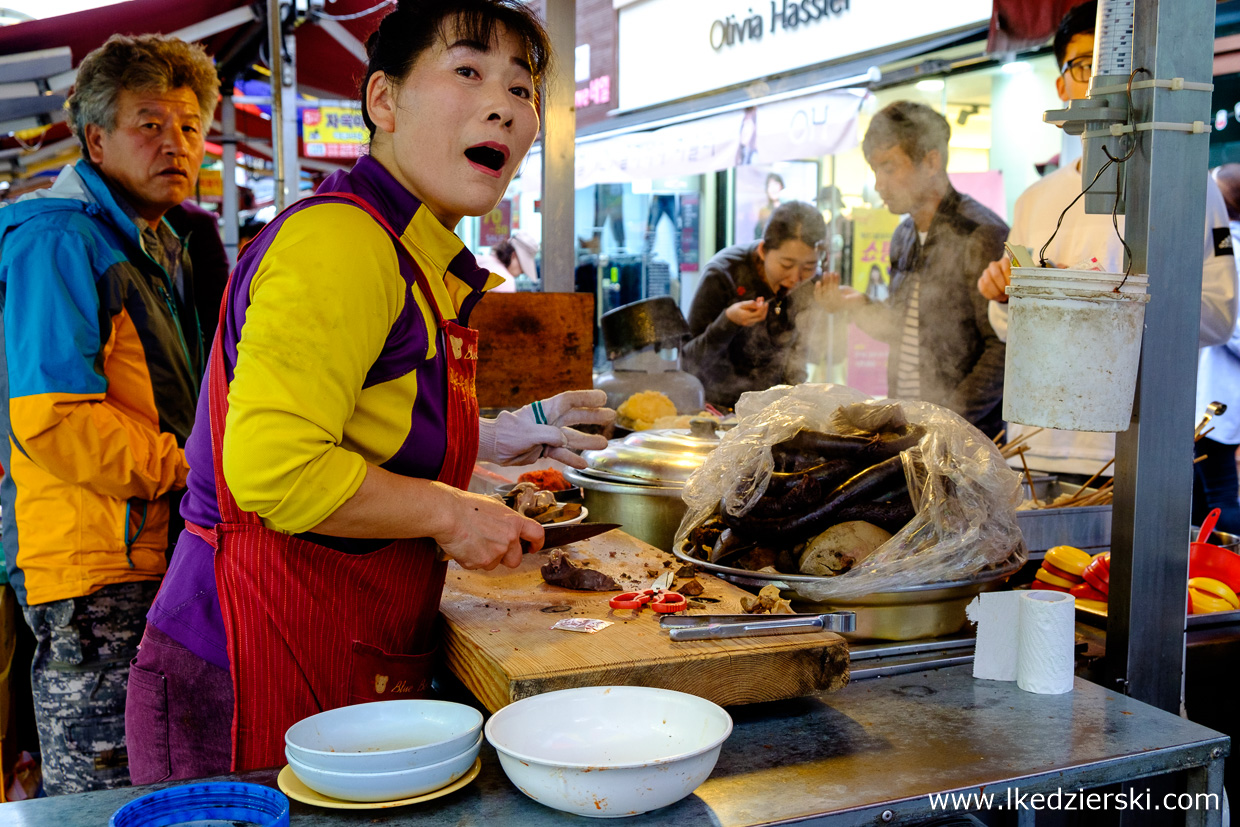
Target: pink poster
x=867 y=362
x=986 y=187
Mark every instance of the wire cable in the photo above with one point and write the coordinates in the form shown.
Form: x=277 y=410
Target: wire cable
x=355 y=15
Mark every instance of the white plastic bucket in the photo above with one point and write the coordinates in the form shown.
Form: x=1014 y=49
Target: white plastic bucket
x=1073 y=348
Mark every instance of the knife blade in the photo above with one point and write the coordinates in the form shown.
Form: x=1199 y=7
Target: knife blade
x=555 y=536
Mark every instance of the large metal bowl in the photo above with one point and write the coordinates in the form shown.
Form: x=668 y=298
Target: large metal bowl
x=912 y=613
x=649 y=512
x=637 y=481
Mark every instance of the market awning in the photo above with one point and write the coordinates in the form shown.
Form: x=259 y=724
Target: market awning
x=330 y=54
x=1016 y=25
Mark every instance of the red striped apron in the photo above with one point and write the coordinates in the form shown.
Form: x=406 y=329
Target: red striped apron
x=310 y=628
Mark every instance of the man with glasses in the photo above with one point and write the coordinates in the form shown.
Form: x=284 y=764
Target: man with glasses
x=1083 y=238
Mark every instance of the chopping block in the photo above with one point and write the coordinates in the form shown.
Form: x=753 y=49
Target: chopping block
x=499 y=643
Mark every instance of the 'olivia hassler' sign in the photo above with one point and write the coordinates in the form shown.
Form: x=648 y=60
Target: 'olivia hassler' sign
x=673 y=49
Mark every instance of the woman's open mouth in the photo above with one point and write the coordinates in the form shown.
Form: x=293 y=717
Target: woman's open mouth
x=490 y=158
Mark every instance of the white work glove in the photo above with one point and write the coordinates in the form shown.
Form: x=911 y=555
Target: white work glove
x=543 y=429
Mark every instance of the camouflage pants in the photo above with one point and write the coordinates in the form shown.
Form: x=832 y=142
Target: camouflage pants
x=80 y=671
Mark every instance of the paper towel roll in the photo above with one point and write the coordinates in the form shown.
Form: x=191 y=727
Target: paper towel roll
x=997 y=615
x=1044 y=649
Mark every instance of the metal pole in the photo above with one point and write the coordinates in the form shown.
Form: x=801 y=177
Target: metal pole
x=290 y=121
x=275 y=62
x=229 y=208
x=559 y=133
x=1165 y=183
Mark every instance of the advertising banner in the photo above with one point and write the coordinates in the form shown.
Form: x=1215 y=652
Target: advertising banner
x=496 y=225
x=805 y=127
x=871 y=264
x=333 y=132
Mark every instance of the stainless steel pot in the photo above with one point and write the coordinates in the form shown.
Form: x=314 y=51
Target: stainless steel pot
x=910 y=613
x=651 y=513
x=637 y=481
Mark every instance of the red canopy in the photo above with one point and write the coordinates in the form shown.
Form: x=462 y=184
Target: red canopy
x=1024 y=24
x=85 y=30
x=324 y=65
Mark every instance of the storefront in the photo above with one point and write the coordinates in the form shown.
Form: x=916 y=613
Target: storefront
x=673 y=165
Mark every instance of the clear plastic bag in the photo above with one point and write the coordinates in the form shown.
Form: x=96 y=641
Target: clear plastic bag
x=964 y=493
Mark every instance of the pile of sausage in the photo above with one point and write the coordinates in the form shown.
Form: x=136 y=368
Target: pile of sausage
x=820 y=480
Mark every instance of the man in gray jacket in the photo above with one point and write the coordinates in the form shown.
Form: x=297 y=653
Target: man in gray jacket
x=943 y=349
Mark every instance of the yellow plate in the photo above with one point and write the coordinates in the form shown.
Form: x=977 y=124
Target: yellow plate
x=291 y=786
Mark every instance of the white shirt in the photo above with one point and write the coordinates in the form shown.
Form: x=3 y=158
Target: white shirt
x=491 y=263
x=1084 y=236
x=1218 y=380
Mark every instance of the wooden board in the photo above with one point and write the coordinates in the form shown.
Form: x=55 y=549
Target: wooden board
x=500 y=644
x=532 y=346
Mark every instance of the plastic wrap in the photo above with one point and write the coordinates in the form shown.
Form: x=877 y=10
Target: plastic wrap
x=964 y=493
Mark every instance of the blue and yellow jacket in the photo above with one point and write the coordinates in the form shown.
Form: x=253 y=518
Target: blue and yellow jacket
x=99 y=370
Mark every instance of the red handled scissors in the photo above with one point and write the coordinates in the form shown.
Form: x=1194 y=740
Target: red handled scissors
x=656 y=597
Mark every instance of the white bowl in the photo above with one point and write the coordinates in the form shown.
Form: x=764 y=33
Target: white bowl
x=383 y=736
x=609 y=751
x=385 y=786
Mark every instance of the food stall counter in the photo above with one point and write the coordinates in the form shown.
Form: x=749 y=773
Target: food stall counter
x=872 y=753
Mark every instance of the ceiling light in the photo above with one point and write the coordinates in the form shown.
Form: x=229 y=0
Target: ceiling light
x=931 y=85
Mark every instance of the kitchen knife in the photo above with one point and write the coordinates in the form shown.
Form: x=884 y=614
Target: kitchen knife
x=713 y=627
x=555 y=536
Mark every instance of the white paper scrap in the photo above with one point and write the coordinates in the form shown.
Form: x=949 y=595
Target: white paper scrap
x=997 y=615
x=581 y=624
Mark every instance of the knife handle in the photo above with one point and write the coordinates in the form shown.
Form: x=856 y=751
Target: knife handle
x=758 y=628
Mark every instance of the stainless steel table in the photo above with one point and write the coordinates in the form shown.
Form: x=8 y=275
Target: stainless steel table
x=873 y=753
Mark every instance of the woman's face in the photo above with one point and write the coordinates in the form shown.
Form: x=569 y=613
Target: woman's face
x=457 y=127
x=788 y=264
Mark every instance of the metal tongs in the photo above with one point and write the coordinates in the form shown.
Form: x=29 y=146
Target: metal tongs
x=715 y=627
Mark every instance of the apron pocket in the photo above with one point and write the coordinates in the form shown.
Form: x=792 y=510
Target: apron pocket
x=146 y=726
x=376 y=675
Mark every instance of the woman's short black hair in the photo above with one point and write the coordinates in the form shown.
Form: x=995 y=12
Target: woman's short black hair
x=794 y=221
x=414 y=25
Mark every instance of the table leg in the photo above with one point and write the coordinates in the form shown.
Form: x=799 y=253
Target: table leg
x=1205 y=784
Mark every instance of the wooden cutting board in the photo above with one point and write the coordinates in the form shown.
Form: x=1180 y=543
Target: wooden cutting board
x=500 y=644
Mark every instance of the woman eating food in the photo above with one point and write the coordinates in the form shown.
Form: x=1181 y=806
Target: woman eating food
x=743 y=318
x=338 y=426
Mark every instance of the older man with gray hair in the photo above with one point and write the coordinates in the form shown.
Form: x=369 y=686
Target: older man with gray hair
x=100 y=359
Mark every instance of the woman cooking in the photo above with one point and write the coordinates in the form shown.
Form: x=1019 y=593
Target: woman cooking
x=743 y=317
x=338 y=425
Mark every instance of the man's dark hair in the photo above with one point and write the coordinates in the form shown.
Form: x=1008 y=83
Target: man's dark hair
x=505 y=252
x=794 y=221
x=1079 y=20
x=1228 y=179
x=250 y=228
x=414 y=25
x=914 y=127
